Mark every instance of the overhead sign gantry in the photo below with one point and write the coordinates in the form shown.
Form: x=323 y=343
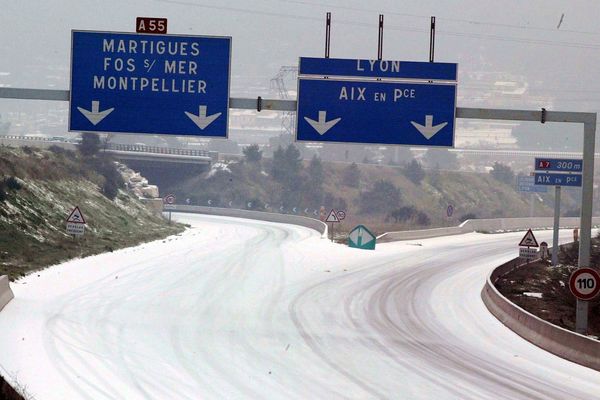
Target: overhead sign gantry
x=146 y=83
x=376 y=101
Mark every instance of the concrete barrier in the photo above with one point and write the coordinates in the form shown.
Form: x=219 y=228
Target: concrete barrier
x=306 y=222
x=570 y=345
x=421 y=234
x=485 y=225
x=6 y=294
x=517 y=224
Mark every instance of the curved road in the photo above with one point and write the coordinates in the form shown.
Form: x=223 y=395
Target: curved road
x=246 y=309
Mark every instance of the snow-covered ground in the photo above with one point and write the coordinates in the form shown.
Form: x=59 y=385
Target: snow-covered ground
x=254 y=310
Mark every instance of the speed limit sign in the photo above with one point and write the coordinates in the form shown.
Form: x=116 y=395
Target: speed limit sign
x=169 y=199
x=585 y=283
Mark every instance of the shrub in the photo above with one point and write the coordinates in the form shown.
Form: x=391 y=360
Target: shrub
x=414 y=172
x=57 y=149
x=12 y=183
x=503 y=173
x=90 y=144
x=468 y=216
x=351 y=176
x=409 y=213
x=383 y=197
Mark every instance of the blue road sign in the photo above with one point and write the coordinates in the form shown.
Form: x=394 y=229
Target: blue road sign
x=526 y=184
x=142 y=83
x=415 y=114
x=550 y=179
x=377 y=68
x=558 y=164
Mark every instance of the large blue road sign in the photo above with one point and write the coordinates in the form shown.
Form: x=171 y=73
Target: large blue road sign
x=384 y=112
x=558 y=164
x=377 y=68
x=142 y=83
x=526 y=184
x=551 y=179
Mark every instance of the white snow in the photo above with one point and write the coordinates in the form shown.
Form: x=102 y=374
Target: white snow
x=244 y=309
x=537 y=295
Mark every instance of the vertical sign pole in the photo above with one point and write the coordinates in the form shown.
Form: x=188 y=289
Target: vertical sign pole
x=169 y=217
x=432 y=39
x=587 y=193
x=556 y=225
x=380 y=41
x=531 y=205
x=331 y=232
x=327 y=34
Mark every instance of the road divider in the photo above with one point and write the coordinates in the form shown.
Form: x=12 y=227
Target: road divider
x=569 y=345
x=6 y=294
x=491 y=225
x=306 y=222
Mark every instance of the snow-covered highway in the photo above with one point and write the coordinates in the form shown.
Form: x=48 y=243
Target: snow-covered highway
x=253 y=310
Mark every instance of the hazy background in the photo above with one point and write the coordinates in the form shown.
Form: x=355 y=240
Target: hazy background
x=511 y=54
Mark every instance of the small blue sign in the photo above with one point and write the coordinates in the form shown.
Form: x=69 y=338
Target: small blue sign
x=551 y=179
x=143 y=83
x=415 y=114
x=377 y=68
x=526 y=184
x=558 y=164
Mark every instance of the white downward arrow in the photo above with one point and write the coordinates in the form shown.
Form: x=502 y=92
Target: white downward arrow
x=95 y=116
x=201 y=120
x=322 y=125
x=428 y=130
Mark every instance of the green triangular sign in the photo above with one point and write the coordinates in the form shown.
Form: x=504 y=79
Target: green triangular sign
x=361 y=238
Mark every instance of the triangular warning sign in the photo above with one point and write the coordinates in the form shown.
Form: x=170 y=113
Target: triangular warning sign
x=332 y=217
x=76 y=217
x=529 y=240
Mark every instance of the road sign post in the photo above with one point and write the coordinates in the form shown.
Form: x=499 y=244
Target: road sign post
x=526 y=244
x=361 y=238
x=362 y=101
x=332 y=218
x=169 y=204
x=584 y=283
x=572 y=167
x=76 y=223
x=149 y=83
x=556 y=225
x=526 y=184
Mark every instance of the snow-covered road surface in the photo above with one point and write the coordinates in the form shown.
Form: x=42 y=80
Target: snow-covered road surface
x=253 y=310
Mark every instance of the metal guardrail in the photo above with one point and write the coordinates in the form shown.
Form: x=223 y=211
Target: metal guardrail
x=118 y=146
x=158 y=150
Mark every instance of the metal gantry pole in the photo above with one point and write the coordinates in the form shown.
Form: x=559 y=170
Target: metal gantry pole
x=432 y=39
x=587 y=194
x=380 y=38
x=556 y=225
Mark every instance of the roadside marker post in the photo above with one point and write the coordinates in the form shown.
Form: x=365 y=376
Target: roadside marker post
x=169 y=204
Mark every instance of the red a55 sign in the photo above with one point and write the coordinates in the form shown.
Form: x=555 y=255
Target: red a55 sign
x=150 y=25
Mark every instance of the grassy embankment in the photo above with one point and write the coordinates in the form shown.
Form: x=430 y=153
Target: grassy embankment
x=48 y=185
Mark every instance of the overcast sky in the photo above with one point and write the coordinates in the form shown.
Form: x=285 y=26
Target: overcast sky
x=521 y=39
